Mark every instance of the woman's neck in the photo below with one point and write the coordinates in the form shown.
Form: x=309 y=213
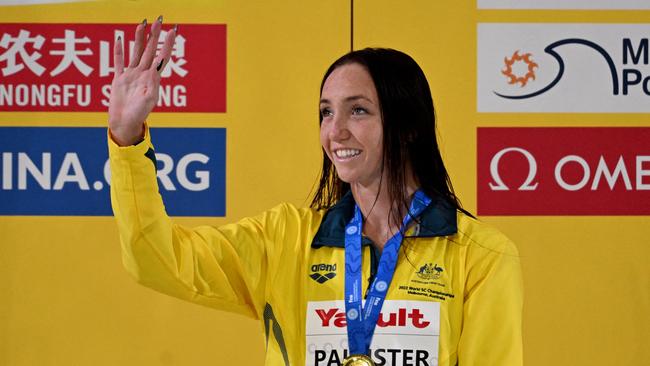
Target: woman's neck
x=382 y=217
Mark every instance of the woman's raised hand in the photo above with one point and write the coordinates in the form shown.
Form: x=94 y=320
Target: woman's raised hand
x=134 y=91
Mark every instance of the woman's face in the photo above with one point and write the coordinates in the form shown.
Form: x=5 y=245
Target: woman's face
x=351 y=128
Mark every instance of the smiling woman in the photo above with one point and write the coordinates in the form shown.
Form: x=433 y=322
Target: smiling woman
x=351 y=128
x=332 y=283
x=394 y=122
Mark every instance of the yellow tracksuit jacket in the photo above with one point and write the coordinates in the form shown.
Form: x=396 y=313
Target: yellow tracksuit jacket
x=455 y=298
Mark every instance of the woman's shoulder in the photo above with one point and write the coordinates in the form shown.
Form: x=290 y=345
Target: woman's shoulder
x=289 y=214
x=479 y=234
x=299 y=212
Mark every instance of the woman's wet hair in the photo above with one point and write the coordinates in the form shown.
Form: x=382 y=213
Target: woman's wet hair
x=409 y=131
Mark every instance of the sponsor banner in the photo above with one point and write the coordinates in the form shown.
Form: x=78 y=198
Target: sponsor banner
x=65 y=171
x=407 y=333
x=563 y=4
x=564 y=171
x=563 y=68
x=69 y=67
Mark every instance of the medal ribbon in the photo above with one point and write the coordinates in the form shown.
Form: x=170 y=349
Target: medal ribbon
x=361 y=320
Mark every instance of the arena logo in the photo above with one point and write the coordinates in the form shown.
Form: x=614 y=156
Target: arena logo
x=69 y=67
x=599 y=171
x=323 y=272
x=39 y=176
x=563 y=68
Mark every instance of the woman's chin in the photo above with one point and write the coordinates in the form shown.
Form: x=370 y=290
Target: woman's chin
x=347 y=176
x=354 y=180
x=346 y=179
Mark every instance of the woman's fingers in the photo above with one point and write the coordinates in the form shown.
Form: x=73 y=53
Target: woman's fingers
x=152 y=44
x=118 y=57
x=139 y=44
x=166 y=51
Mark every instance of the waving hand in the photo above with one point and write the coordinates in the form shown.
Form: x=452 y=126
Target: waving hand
x=134 y=91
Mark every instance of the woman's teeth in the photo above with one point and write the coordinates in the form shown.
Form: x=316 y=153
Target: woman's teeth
x=347 y=153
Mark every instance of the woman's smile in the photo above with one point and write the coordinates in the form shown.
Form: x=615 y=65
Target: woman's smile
x=351 y=126
x=346 y=154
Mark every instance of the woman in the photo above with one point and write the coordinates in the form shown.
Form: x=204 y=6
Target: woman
x=384 y=266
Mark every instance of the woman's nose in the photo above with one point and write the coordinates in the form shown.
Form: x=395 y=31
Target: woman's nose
x=339 y=130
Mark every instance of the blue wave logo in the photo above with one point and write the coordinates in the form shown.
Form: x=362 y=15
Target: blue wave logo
x=551 y=50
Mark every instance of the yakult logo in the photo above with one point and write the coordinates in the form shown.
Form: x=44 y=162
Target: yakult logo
x=563 y=68
x=335 y=317
x=69 y=67
x=581 y=171
x=407 y=333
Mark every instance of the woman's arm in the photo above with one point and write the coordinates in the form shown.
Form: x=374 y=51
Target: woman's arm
x=491 y=331
x=227 y=267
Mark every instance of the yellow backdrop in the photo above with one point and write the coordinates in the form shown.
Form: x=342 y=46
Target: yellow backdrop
x=65 y=299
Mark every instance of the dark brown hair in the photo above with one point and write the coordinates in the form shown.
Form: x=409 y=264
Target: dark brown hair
x=409 y=131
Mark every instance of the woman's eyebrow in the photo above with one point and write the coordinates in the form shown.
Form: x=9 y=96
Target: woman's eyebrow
x=356 y=97
x=349 y=99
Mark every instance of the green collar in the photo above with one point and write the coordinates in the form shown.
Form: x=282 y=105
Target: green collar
x=438 y=219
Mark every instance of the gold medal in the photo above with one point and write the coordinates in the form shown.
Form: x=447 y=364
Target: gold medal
x=358 y=360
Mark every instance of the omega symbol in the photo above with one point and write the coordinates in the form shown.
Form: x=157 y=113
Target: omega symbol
x=498 y=184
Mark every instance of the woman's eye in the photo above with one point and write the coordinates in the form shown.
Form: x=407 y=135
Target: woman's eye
x=325 y=112
x=359 y=110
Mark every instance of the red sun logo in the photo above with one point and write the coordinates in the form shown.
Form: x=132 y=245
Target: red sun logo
x=512 y=77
